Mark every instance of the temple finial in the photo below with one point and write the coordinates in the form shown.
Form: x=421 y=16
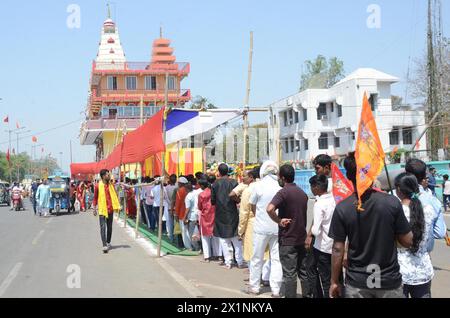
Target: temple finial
x=160 y=31
x=109 y=11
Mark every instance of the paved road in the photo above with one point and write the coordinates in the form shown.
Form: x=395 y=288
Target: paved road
x=35 y=254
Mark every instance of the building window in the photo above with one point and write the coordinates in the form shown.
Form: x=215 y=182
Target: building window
x=296 y=117
x=332 y=107
x=172 y=82
x=286 y=145
x=393 y=137
x=291 y=117
x=297 y=145
x=339 y=110
x=353 y=135
x=150 y=83
x=131 y=83
x=407 y=136
x=306 y=144
x=112 y=83
x=337 y=142
x=321 y=111
x=285 y=117
x=292 y=145
x=305 y=114
x=373 y=100
x=323 y=141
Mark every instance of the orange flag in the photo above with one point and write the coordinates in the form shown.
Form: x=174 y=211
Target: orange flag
x=17 y=125
x=34 y=139
x=369 y=153
x=342 y=187
x=394 y=151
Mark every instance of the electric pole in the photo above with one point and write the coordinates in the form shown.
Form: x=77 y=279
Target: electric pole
x=434 y=139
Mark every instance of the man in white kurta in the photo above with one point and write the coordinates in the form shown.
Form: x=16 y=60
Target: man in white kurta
x=43 y=196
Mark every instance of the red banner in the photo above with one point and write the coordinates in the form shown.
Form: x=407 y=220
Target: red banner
x=342 y=187
x=137 y=146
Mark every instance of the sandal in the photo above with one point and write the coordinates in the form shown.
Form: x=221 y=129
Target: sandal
x=248 y=291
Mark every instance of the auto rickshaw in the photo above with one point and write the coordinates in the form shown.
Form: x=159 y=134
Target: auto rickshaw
x=59 y=189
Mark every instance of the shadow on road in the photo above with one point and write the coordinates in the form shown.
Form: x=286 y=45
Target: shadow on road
x=114 y=247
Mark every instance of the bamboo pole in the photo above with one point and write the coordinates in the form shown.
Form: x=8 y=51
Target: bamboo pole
x=163 y=159
x=138 y=213
x=124 y=198
x=246 y=103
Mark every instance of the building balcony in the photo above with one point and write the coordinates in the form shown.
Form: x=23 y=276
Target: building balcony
x=123 y=95
x=179 y=68
x=99 y=97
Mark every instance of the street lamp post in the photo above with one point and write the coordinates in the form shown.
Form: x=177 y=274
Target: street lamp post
x=18 y=132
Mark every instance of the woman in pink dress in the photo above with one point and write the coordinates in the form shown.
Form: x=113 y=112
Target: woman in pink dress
x=210 y=243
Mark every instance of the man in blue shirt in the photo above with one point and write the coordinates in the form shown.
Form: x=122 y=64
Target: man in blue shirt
x=419 y=169
x=432 y=180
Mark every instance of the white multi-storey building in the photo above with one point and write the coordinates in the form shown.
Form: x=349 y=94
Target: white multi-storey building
x=325 y=121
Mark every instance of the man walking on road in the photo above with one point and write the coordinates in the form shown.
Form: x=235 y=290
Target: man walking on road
x=43 y=198
x=105 y=203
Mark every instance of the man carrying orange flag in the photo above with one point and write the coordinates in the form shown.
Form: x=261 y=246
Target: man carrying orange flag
x=369 y=153
x=372 y=227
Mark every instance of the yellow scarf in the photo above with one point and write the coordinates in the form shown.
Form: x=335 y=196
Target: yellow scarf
x=102 y=205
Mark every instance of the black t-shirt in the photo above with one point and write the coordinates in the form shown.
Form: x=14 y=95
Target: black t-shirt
x=292 y=203
x=372 y=238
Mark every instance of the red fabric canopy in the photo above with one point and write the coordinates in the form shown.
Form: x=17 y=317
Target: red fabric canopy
x=137 y=146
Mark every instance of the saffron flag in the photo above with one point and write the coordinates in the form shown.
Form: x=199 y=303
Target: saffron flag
x=17 y=125
x=6 y=120
x=417 y=145
x=342 y=187
x=8 y=156
x=394 y=151
x=34 y=139
x=369 y=153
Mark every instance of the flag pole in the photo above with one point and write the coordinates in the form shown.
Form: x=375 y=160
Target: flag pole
x=163 y=162
x=387 y=176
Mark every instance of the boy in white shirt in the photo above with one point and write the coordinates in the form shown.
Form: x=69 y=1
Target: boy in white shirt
x=323 y=213
x=446 y=192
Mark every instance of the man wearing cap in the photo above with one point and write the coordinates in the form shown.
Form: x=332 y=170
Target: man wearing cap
x=180 y=210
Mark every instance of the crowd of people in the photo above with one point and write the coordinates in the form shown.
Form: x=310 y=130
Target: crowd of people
x=381 y=249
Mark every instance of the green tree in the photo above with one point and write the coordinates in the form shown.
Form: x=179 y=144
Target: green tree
x=321 y=73
x=26 y=166
x=396 y=101
x=200 y=102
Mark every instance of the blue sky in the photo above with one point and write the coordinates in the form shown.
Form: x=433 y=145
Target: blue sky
x=45 y=65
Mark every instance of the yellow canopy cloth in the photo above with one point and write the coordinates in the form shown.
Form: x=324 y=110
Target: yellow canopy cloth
x=102 y=205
